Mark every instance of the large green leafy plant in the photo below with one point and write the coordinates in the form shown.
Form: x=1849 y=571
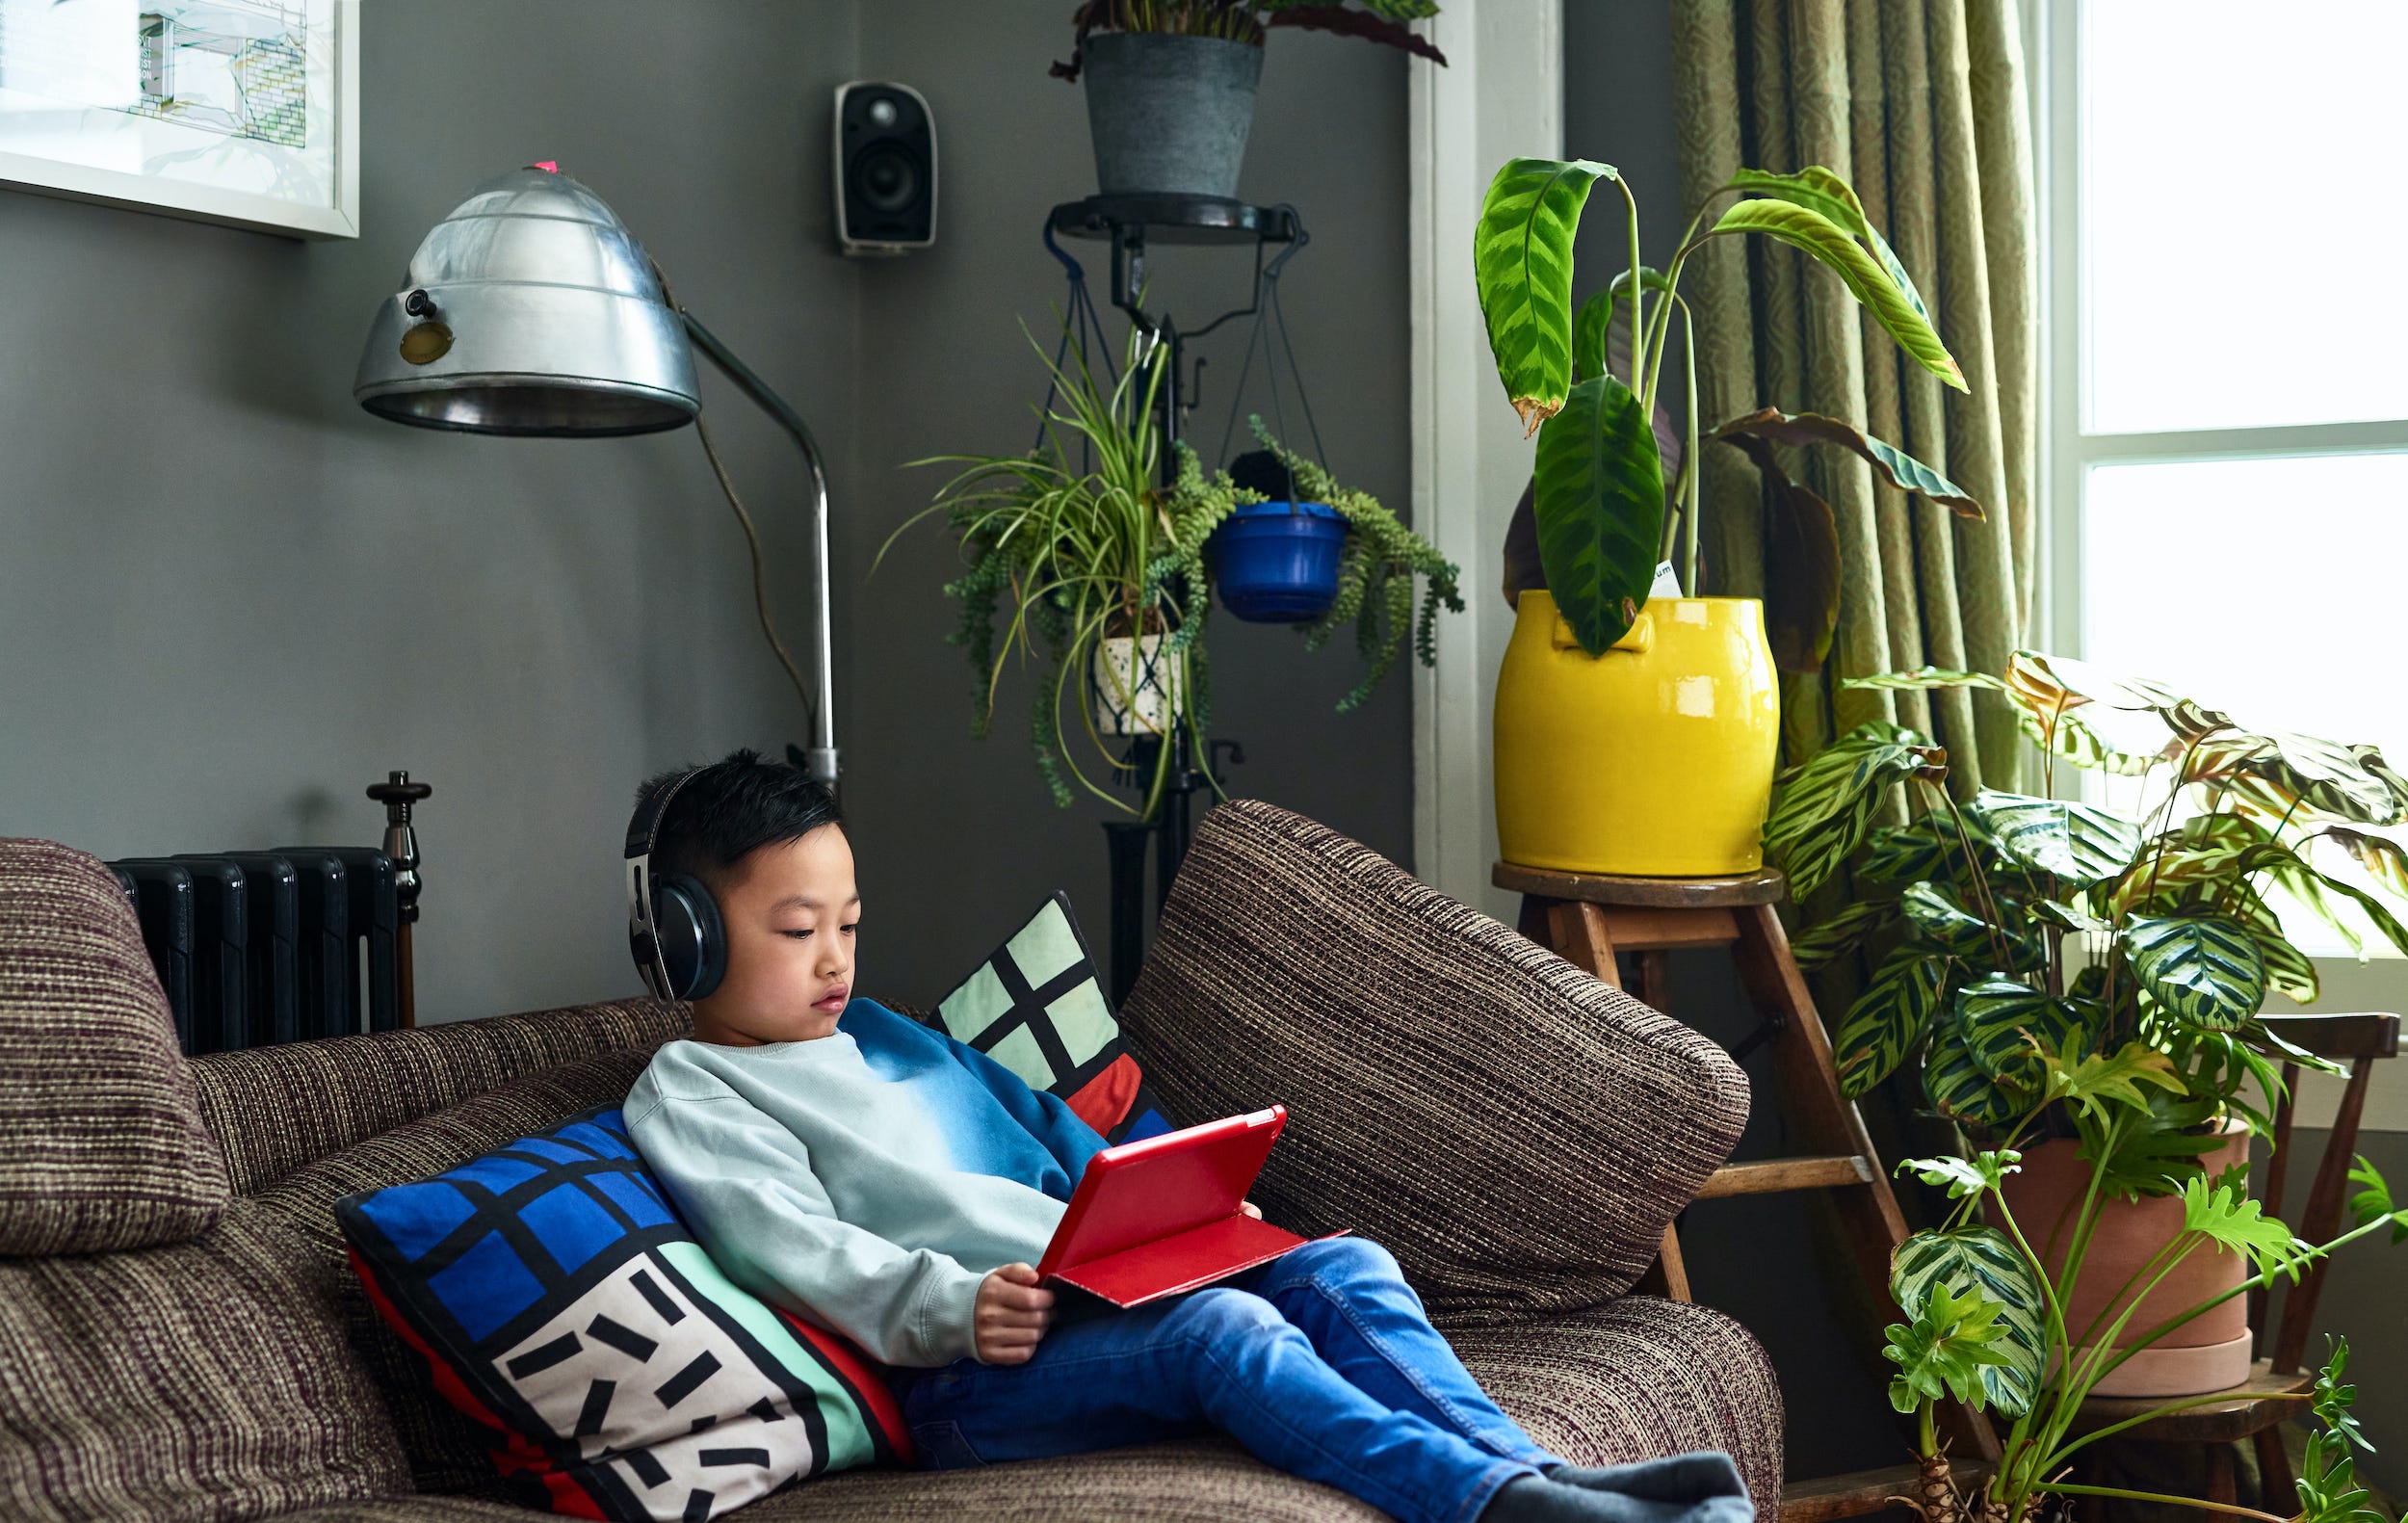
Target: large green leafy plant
x=1078 y=542
x=2056 y=968
x=1599 y=490
x=1988 y=1322
x=2013 y=925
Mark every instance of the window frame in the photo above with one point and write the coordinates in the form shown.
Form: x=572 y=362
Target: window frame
x=2052 y=47
x=2053 y=35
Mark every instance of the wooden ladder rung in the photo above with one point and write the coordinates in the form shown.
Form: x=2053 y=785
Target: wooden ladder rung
x=1776 y=1174
x=1862 y=1491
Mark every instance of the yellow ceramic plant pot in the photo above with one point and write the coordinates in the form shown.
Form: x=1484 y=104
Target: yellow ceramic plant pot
x=1654 y=759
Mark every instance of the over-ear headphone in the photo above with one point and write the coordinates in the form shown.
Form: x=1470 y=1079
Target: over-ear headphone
x=673 y=925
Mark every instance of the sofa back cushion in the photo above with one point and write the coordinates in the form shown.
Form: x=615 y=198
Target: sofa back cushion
x=1516 y=1132
x=203 y=1379
x=274 y=1108
x=101 y=1146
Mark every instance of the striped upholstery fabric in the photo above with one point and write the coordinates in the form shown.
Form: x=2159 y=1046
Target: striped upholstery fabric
x=207 y=1380
x=1194 y=1480
x=274 y=1109
x=1637 y=1377
x=414 y=1510
x=1517 y=1132
x=99 y=1145
x=1514 y=1131
x=445 y=1451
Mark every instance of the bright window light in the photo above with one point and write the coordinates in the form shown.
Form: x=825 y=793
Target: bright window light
x=2241 y=241
x=2232 y=582
x=2197 y=580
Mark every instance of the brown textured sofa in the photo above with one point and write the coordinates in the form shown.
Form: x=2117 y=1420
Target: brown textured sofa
x=180 y=1337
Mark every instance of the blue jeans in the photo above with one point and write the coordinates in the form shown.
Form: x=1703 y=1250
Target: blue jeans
x=1321 y=1363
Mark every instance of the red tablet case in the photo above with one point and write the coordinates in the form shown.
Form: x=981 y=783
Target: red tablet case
x=1155 y=1218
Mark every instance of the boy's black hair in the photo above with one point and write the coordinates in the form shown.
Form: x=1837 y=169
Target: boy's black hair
x=732 y=808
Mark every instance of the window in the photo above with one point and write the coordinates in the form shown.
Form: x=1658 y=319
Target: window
x=2227 y=447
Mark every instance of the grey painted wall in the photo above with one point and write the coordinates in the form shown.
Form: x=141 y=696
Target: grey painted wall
x=958 y=837
x=229 y=598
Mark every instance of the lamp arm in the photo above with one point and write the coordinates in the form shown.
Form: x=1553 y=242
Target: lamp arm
x=820 y=760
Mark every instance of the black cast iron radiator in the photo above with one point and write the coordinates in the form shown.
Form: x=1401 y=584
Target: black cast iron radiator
x=259 y=947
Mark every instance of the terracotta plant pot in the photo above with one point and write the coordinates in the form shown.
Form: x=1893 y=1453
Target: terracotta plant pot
x=2205 y=1355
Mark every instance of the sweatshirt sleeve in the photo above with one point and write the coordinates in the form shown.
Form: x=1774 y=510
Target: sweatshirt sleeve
x=744 y=1185
x=1071 y=1141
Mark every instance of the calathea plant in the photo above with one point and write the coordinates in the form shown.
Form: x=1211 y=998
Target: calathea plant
x=2019 y=923
x=1599 y=486
x=1078 y=542
x=2059 y=968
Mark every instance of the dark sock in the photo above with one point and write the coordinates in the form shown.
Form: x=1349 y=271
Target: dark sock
x=1686 y=1478
x=1563 y=1493
x=1536 y=1499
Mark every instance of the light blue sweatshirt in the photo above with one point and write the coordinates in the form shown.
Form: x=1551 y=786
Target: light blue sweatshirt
x=868 y=1180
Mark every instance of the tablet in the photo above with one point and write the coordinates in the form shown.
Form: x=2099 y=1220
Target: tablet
x=1159 y=1217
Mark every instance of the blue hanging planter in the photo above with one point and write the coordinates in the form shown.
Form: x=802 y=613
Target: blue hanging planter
x=1277 y=563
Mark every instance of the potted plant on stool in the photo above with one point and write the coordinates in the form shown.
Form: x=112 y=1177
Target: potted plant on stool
x=1170 y=83
x=1636 y=733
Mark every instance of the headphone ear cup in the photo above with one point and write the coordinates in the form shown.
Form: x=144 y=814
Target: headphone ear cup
x=694 y=940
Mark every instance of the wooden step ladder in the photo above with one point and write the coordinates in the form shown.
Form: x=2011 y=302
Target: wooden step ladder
x=1593 y=921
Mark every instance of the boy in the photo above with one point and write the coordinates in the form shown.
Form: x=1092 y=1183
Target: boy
x=873 y=1174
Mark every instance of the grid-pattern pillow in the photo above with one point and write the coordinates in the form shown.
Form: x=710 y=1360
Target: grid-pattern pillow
x=560 y=1304
x=1036 y=1007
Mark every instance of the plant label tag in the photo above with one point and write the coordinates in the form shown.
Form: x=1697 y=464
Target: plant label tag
x=1667 y=581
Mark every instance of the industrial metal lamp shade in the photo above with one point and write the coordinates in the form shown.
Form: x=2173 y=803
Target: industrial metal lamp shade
x=529 y=310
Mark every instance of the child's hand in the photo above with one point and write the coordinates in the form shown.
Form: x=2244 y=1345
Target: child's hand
x=1012 y=1311
x=1251 y=1209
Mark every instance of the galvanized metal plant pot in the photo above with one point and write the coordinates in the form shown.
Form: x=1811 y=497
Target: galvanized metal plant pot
x=1170 y=114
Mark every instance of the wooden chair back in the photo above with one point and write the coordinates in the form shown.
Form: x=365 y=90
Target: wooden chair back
x=2359 y=1040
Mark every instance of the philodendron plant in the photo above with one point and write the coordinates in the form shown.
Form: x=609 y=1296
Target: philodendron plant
x=1598 y=488
x=1987 y=1322
x=2061 y=968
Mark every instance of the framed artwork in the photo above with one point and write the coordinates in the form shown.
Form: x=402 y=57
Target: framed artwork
x=243 y=112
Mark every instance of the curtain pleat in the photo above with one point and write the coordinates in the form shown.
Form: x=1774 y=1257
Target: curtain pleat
x=1920 y=104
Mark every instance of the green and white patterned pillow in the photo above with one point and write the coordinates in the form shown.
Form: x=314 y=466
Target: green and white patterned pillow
x=1036 y=1005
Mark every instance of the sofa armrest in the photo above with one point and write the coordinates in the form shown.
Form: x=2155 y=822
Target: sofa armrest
x=1517 y=1132
x=274 y=1109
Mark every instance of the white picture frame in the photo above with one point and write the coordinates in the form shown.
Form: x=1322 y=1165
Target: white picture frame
x=239 y=112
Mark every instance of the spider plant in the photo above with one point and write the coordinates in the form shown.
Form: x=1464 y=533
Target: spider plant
x=1071 y=545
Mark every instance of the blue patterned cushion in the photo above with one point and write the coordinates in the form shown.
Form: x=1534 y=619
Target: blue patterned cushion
x=560 y=1304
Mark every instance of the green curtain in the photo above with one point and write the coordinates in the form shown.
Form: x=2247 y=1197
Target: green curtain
x=1920 y=104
